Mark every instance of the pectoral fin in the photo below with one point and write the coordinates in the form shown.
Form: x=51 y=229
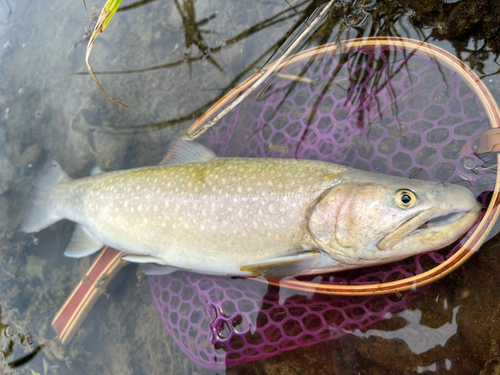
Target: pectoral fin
x=290 y=265
x=82 y=243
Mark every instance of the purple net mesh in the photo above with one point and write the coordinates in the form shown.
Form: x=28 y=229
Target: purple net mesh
x=220 y=322
x=385 y=110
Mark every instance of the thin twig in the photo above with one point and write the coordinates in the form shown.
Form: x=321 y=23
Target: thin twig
x=197 y=132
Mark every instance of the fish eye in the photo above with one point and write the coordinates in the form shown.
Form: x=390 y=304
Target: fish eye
x=405 y=198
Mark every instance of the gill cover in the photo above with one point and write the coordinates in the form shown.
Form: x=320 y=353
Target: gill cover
x=350 y=216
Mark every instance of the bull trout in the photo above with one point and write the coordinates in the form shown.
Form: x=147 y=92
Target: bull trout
x=251 y=216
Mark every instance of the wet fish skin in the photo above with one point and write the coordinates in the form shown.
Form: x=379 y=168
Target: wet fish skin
x=239 y=209
x=243 y=216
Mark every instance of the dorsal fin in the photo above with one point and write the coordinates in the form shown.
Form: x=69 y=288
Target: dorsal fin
x=182 y=152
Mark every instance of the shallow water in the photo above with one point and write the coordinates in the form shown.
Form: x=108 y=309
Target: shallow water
x=170 y=61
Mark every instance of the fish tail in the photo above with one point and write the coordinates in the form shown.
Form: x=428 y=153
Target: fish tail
x=37 y=215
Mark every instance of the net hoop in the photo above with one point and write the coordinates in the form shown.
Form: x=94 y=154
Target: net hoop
x=491 y=110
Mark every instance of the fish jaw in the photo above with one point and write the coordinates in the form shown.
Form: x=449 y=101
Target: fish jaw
x=416 y=234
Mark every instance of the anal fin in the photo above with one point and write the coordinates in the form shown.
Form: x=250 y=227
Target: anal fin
x=156 y=270
x=82 y=243
x=150 y=265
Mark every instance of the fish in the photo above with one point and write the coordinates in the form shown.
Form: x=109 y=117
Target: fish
x=273 y=217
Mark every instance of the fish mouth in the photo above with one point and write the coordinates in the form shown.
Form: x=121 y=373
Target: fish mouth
x=430 y=230
x=440 y=221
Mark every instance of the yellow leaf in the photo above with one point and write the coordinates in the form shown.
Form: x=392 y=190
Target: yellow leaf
x=107 y=13
x=110 y=8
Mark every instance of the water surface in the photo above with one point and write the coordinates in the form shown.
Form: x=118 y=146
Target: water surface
x=169 y=60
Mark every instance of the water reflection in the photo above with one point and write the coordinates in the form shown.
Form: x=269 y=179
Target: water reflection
x=427 y=337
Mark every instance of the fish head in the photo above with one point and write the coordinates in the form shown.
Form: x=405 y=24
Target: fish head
x=369 y=219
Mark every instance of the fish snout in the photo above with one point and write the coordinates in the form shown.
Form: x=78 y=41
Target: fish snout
x=454 y=198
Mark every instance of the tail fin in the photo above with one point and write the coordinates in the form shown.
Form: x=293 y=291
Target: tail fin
x=37 y=216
